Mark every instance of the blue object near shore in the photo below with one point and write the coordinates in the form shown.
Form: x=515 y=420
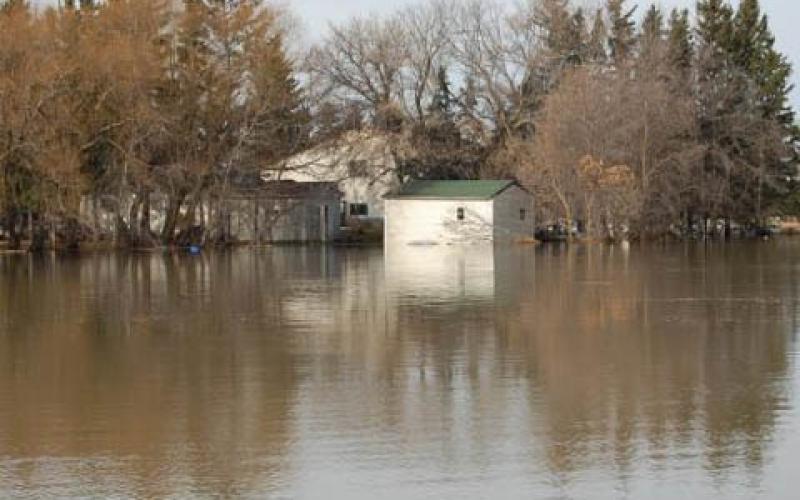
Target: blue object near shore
x=194 y=250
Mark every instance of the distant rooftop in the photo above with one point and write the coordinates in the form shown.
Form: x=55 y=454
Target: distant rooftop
x=437 y=190
x=251 y=185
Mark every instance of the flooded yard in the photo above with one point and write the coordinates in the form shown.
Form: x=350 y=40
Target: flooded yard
x=422 y=372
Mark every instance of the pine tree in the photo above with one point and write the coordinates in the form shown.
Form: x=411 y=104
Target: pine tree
x=578 y=37
x=752 y=50
x=553 y=16
x=750 y=35
x=596 y=49
x=714 y=24
x=680 y=40
x=652 y=31
x=622 y=27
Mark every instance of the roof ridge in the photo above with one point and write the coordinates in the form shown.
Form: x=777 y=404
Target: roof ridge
x=454 y=189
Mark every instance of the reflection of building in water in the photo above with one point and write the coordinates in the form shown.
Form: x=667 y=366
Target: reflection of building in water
x=440 y=273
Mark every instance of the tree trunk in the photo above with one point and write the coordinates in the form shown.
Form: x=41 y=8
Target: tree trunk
x=52 y=237
x=95 y=220
x=38 y=238
x=589 y=209
x=144 y=219
x=255 y=222
x=72 y=234
x=133 y=217
x=171 y=220
x=14 y=241
x=189 y=219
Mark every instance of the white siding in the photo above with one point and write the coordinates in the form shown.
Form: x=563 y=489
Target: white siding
x=375 y=177
x=410 y=221
x=354 y=189
x=432 y=221
x=508 y=223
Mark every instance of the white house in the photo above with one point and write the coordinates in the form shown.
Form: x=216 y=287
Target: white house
x=360 y=163
x=444 y=212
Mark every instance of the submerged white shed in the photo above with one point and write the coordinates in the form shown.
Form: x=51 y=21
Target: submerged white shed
x=444 y=212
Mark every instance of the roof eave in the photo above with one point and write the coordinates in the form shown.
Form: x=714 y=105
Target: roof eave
x=440 y=198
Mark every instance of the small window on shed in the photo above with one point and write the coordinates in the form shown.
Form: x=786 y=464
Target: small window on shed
x=460 y=213
x=522 y=214
x=359 y=209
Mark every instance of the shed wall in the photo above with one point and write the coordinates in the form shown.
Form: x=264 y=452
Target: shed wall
x=284 y=221
x=509 y=225
x=410 y=221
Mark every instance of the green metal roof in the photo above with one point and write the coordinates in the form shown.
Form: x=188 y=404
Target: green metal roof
x=476 y=190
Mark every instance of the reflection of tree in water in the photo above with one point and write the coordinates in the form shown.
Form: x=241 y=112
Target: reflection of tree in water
x=627 y=356
x=179 y=376
x=579 y=357
x=650 y=355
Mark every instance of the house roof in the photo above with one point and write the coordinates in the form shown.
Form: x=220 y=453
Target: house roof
x=275 y=190
x=459 y=190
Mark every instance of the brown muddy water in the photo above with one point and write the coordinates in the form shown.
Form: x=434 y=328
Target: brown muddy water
x=551 y=372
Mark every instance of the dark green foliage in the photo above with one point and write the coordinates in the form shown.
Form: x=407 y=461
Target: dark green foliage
x=596 y=50
x=652 y=25
x=743 y=79
x=622 y=30
x=714 y=24
x=681 y=50
x=440 y=150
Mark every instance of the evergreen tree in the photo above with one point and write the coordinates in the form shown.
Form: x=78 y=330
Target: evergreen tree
x=578 y=41
x=752 y=50
x=622 y=25
x=554 y=18
x=714 y=24
x=680 y=40
x=596 y=49
x=652 y=32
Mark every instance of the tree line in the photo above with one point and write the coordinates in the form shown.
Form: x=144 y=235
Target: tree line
x=645 y=122
x=107 y=103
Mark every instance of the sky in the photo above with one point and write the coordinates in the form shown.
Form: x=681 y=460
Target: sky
x=314 y=15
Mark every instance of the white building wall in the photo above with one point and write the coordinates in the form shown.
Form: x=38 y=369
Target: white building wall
x=374 y=177
x=354 y=189
x=410 y=221
x=509 y=226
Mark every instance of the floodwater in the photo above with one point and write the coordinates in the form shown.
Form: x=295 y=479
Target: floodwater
x=550 y=372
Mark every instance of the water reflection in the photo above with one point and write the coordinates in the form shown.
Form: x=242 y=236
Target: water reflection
x=427 y=372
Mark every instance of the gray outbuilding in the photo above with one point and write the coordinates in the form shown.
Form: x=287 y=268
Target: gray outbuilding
x=285 y=212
